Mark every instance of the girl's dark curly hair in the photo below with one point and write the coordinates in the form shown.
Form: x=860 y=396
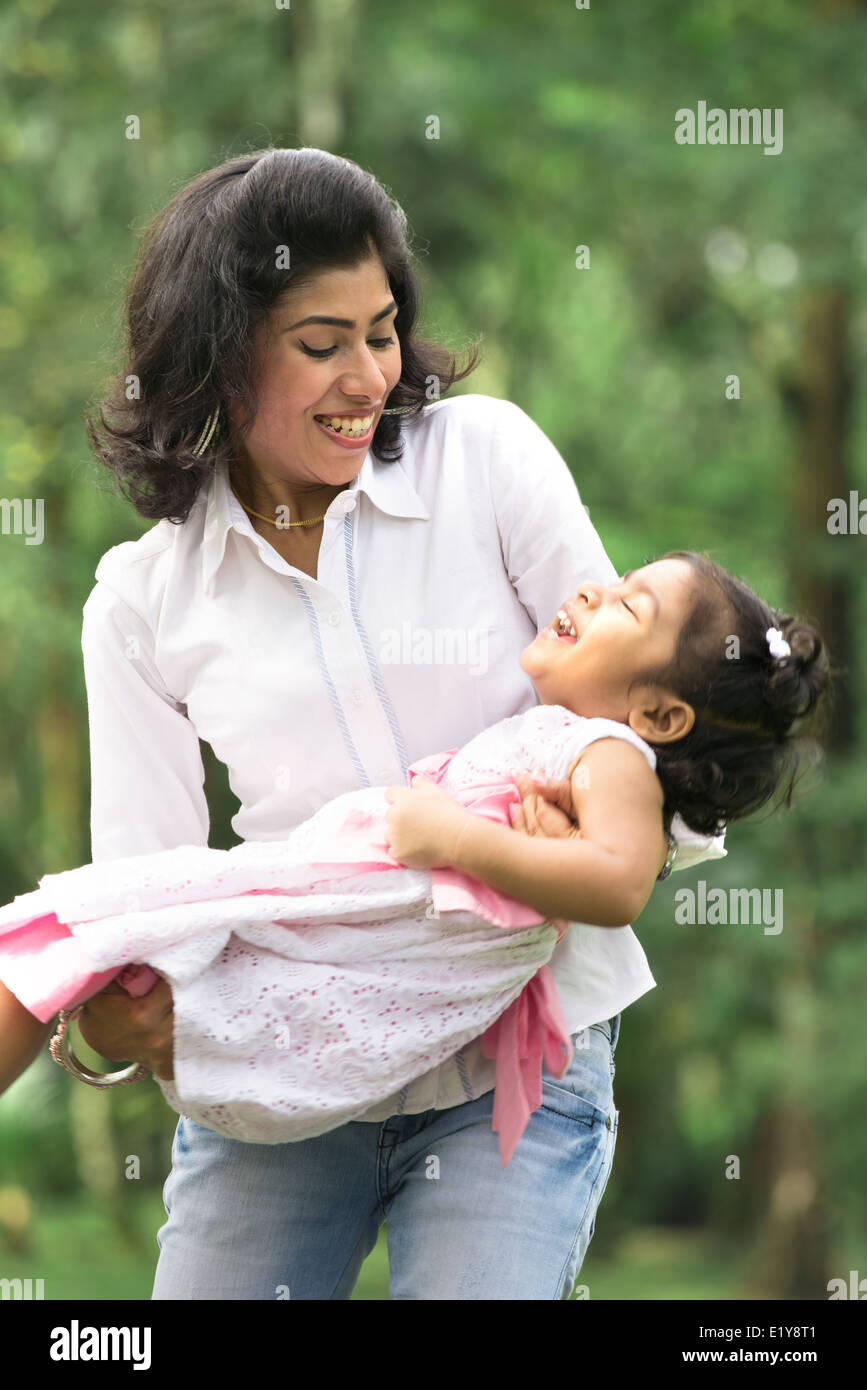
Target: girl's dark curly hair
x=208 y=274
x=751 y=710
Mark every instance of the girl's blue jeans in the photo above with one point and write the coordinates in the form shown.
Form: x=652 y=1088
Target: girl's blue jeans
x=297 y=1220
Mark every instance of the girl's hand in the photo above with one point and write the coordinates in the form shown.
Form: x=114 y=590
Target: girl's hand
x=424 y=823
x=546 y=807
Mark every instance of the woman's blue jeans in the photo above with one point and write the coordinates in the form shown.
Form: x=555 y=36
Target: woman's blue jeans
x=297 y=1221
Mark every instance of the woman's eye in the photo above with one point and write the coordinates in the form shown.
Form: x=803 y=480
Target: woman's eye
x=317 y=352
x=379 y=343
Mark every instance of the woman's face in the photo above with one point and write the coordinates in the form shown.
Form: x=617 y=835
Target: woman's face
x=622 y=630
x=308 y=369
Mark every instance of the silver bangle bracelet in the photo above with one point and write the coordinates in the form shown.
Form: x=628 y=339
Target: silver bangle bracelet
x=61 y=1051
x=669 y=859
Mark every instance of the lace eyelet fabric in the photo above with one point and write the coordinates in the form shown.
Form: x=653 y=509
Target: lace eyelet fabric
x=307 y=991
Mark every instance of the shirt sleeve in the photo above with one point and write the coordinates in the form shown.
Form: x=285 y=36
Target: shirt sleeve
x=548 y=542
x=146 y=771
x=693 y=847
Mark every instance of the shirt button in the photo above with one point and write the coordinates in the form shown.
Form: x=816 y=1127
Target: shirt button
x=384 y=777
x=334 y=618
x=358 y=696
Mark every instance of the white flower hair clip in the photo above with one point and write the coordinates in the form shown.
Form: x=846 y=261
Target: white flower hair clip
x=777 y=643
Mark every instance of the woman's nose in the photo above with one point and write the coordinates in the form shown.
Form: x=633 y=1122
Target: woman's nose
x=364 y=378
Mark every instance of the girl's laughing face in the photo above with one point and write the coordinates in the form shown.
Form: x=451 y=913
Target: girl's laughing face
x=605 y=637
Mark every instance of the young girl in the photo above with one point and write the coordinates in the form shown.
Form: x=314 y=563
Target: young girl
x=313 y=977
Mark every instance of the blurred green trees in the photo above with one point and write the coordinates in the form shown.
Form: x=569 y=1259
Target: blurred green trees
x=555 y=130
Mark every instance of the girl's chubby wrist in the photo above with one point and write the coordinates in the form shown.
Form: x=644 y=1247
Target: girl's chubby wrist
x=424 y=825
x=457 y=831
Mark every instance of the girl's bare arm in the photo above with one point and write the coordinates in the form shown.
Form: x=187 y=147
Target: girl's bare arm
x=604 y=877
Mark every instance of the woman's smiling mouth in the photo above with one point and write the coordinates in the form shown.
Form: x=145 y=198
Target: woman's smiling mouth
x=348 y=431
x=352 y=426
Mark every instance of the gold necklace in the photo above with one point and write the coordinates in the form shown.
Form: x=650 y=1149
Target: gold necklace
x=282 y=526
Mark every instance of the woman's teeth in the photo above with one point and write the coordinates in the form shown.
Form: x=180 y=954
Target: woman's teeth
x=564 y=625
x=354 y=427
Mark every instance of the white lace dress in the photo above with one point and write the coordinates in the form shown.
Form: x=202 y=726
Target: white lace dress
x=314 y=977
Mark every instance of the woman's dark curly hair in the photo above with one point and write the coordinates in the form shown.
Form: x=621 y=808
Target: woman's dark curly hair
x=207 y=275
x=751 y=710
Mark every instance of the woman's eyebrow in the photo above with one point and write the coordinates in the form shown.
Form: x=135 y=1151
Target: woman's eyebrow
x=340 y=323
x=645 y=588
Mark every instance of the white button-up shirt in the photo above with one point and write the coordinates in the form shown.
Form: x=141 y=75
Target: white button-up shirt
x=433 y=573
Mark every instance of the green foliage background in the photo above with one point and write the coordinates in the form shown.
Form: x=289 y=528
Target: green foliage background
x=556 y=130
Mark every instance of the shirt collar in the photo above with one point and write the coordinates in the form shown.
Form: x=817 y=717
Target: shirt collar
x=386 y=484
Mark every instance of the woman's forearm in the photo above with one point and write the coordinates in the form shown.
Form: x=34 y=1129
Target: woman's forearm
x=569 y=878
x=21 y=1038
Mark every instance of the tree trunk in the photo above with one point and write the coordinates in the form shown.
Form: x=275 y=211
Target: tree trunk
x=819 y=397
x=790 y=1258
x=791 y=1250
x=324 y=52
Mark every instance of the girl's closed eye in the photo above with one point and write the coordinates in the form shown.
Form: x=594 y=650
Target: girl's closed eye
x=624 y=578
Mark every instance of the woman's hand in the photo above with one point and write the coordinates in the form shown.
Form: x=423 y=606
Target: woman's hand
x=424 y=824
x=545 y=808
x=122 y=1028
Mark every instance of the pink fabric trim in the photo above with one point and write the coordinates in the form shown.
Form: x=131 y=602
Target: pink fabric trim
x=47 y=969
x=531 y=1028
x=457 y=891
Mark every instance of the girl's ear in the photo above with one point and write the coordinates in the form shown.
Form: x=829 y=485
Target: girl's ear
x=666 y=722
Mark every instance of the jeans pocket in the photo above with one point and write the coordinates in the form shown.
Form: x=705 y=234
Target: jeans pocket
x=585 y=1091
x=610 y=1029
x=571 y=1105
x=605 y=1173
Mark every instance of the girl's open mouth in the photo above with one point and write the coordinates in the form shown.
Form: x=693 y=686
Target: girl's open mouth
x=563 y=629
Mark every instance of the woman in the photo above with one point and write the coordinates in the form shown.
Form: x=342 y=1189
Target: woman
x=343 y=571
